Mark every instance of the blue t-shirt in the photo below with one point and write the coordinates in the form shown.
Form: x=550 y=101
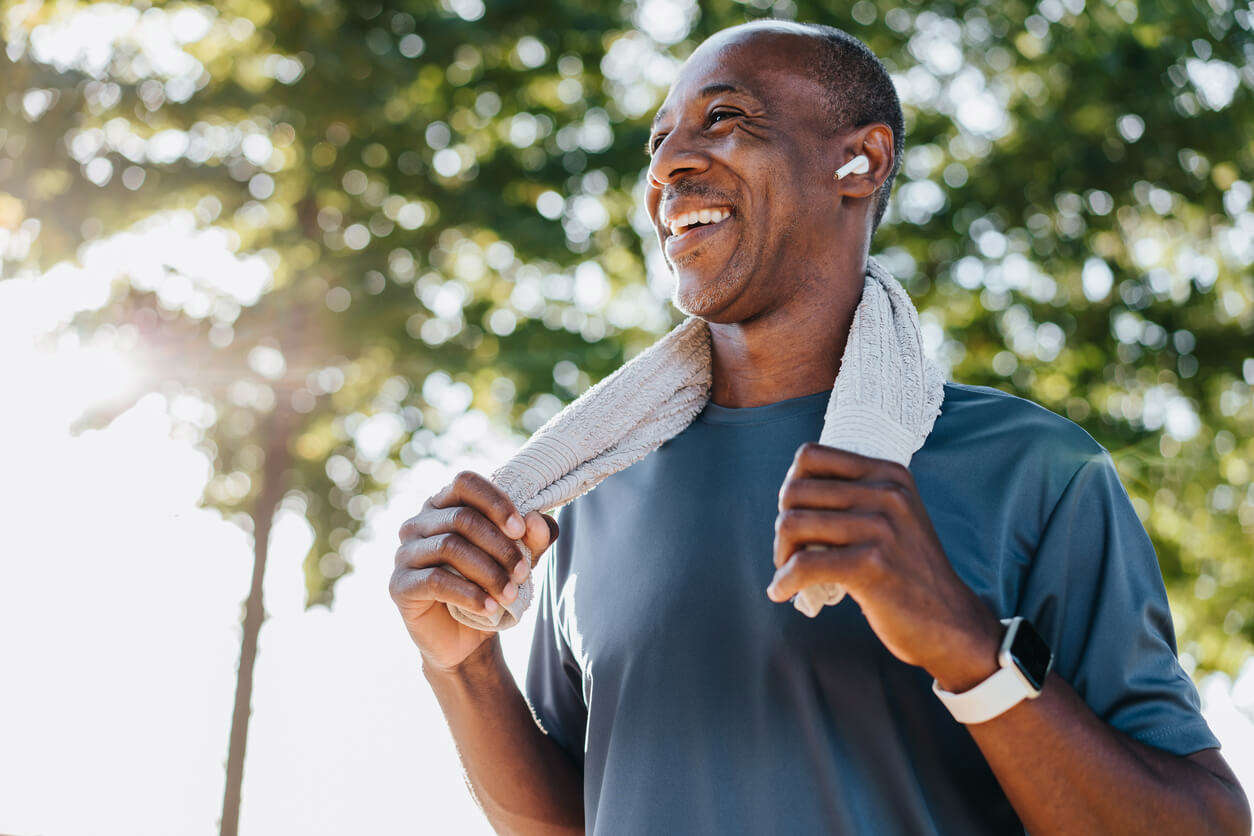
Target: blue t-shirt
x=695 y=704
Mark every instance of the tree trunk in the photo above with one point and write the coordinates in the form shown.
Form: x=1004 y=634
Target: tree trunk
x=264 y=508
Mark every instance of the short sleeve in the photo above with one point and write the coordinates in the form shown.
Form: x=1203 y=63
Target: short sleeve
x=554 y=680
x=1095 y=592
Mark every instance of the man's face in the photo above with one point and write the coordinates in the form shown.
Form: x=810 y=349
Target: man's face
x=739 y=183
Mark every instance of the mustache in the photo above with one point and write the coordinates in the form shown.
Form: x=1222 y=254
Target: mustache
x=688 y=188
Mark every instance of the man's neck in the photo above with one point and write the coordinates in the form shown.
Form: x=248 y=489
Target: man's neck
x=788 y=352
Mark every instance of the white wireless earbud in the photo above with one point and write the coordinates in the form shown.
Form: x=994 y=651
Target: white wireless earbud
x=858 y=165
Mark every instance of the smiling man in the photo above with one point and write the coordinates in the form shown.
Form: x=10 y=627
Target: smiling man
x=1005 y=656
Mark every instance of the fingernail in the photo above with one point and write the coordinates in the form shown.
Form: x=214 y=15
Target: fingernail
x=521 y=571
x=490 y=605
x=515 y=527
x=510 y=591
x=770 y=591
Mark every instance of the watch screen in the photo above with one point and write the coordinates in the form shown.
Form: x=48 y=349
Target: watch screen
x=1031 y=655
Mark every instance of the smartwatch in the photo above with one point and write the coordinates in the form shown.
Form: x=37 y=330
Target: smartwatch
x=1025 y=661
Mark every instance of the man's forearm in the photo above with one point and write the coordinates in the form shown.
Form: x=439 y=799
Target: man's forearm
x=521 y=778
x=1064 y=770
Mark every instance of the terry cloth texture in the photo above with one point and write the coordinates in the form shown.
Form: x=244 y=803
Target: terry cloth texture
x=883 y=403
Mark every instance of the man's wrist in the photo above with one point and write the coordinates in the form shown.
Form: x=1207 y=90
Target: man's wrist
x=972 y=657
x=482 y=659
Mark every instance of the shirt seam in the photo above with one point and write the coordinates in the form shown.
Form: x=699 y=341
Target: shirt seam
x=1049 y=520
x=1053 y=511
x=1164 y=731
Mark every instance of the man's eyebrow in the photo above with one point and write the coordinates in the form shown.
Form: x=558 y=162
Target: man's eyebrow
x=705 y=92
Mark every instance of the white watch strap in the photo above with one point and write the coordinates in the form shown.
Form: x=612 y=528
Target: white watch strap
x=996 y=695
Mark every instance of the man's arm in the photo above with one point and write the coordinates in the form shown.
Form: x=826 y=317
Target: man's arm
x=523 y=781
x=1064 y=770
x=521 y=778
x=1061 y=766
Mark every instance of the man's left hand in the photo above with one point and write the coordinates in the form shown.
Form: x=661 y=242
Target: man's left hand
x=879 y=543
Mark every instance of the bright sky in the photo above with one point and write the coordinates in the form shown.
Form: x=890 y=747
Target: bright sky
x=120 y=602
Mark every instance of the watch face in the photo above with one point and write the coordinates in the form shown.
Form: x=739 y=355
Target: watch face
x=1031 y=654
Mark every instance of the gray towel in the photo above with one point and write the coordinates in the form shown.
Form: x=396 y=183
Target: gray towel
x=884 y=403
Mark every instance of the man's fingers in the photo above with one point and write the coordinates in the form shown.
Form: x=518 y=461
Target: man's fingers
x=486 y=523
x=835 y=494
x=470 y=488
x=478 y=529
x=455 y=550
x=845 y=565
x=814 y=459
x=797 y=526
x=436 y=583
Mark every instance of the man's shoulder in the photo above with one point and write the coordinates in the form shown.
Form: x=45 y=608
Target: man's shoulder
x=1000 y=412
x=991 y=423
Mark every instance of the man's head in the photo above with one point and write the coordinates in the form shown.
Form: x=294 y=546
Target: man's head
x=757 y=122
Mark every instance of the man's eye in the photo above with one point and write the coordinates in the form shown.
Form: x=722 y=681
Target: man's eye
x=716 y=115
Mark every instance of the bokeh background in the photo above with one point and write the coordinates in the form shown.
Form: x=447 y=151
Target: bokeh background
x=270 y=272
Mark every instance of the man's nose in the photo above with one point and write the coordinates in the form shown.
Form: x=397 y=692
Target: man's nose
x=676 y=156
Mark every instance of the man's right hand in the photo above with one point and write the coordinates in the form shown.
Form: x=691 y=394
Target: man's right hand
x=469 y=525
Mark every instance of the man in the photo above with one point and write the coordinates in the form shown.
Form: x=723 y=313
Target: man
x=677 y=690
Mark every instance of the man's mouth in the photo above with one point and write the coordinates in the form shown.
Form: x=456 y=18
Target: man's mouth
x=685 y=221
x=689 y=230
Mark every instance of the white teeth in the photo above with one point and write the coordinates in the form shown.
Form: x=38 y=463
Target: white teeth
x=680 y=223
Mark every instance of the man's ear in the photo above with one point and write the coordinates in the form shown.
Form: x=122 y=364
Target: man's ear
x=875 y=142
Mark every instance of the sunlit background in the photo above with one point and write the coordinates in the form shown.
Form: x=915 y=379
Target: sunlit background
x=302 y=262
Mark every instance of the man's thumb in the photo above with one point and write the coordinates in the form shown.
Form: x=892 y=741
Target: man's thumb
x=541 y=531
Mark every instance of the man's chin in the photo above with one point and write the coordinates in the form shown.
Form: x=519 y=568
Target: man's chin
x=703 y=293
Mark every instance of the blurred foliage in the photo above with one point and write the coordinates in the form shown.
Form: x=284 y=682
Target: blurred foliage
x=448 y=195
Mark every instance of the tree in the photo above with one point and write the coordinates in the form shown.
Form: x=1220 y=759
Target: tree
x=265 y=129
